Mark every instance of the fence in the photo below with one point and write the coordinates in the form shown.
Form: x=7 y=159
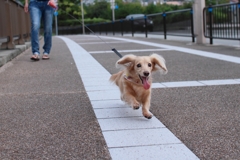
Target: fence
x=177 y=23
x=15 y=24
x=222 y=22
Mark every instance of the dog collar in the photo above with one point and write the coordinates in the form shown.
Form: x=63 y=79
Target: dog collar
x=130 y=79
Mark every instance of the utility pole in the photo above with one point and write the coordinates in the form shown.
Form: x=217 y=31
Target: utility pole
x=56 y=22
x=198 y=6
x=113 y=9
x=83 y=26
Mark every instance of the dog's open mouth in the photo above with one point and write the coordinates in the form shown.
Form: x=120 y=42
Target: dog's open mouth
x=145 y=82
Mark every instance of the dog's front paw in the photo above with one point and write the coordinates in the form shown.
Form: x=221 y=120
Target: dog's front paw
x=147 y=115
x=136 y=105
x=136 y=108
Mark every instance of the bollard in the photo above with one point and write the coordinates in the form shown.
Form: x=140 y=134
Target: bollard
x=132 y=27
x=121 y=27
x=146 y=26
x=192 y=27
x=164 y=25
x=113 y=27
x=210 y=21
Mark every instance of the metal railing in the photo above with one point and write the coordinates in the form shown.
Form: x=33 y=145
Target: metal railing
x=177 y=23
x=14 y=24
x=222 y=21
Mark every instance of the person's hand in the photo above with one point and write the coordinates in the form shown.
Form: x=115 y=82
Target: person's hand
x=26 y=7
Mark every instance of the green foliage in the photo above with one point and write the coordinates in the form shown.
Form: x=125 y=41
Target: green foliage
x=67 y=8
x=101 y=9
x=220 y=16
x=127 y=8
x=152 y=9
x=70 y=10
x=159 y=8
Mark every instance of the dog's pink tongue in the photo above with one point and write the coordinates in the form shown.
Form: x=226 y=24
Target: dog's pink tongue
x=146 y=85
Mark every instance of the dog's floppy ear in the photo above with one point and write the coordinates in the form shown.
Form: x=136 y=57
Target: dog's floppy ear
x=158 y=63
x=126 y=60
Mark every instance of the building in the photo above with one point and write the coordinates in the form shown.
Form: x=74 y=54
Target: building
x=176 y=2
x=171 y=2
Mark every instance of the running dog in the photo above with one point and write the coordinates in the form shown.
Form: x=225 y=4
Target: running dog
x=135 y=80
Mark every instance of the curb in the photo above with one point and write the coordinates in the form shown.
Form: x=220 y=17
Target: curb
x=8 y=55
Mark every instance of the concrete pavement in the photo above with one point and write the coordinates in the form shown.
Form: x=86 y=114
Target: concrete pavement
x=53 y=109
x=45 y=112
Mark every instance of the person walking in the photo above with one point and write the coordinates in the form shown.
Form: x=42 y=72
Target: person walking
x=40 y=10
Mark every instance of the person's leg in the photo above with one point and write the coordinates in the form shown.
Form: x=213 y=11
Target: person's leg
x=35 y=16
x=47 y=20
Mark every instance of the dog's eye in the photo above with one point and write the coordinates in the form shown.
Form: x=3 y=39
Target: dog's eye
x=138 y=65
x=149 y=65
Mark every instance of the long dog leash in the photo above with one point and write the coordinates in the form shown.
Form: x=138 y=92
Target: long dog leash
x=113 y=49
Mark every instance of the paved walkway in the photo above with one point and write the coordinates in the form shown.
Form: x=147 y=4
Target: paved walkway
x=128 y=135
x=65 y=108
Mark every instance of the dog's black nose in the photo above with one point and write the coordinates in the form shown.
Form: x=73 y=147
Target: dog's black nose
x=146 y=73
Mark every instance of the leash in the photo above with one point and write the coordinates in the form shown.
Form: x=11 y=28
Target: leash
x=113 y=49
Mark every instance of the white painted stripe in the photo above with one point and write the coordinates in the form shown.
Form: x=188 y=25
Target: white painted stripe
x=124 y=139
x=131 y=51
x=223 y=42
x=101 y=42
x=220 y=82
x=182 y=84
x=196 y=83
x=94 y=86
x=158 y=85
x=185 y=50
x=237 y=79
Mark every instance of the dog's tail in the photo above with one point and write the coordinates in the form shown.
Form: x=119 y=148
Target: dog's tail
x=116 y=77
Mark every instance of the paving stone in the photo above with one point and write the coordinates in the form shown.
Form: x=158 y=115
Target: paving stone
x=129 y=123
x=108 y=104
x=139 y=137
x=101 y=88
x=103 y=95
x=117 y=113
x=96 y=83
x=156 y=152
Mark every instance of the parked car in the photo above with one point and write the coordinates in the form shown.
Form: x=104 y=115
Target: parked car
x=139 y=22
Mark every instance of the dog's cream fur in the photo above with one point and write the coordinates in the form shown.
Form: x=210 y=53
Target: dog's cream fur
x=135 y=80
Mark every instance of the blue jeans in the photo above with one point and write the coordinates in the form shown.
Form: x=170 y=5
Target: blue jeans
x=39 y=10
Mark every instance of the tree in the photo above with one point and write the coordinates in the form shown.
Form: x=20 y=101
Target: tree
x=69 y=9
x=100 y=9
x=127 y=8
